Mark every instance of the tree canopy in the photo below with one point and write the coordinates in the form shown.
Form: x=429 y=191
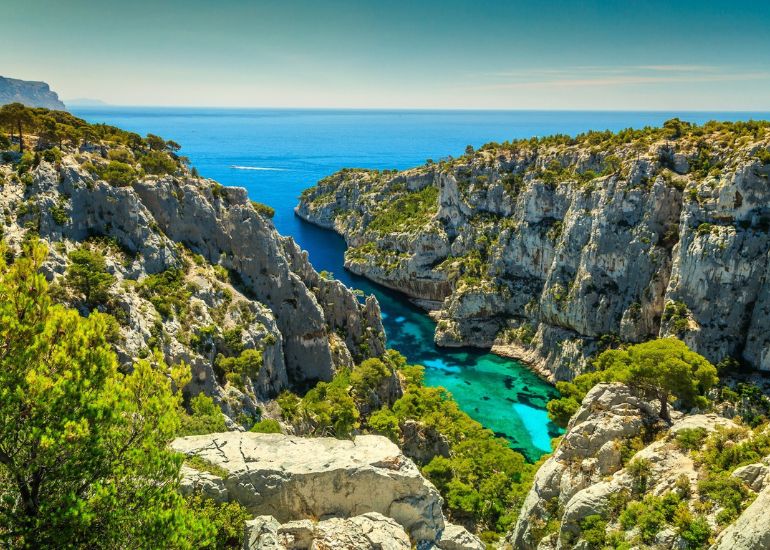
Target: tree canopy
x=83 y=448
x=659 y=369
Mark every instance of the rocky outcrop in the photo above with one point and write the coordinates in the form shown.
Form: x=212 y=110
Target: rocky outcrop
x=226 y=280
x=29 y=93
x=293 y=478
x=616 y=451
x=544 y=251
x=367 y=531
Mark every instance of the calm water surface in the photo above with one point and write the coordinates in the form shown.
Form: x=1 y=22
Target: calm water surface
x=275 y=154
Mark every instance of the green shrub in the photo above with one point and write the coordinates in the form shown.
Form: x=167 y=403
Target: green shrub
x=205 y=417
x=267 y=426
x=117 y=173
x=406 y=213
x=166 y=291
x=158 y=163
x=265 y=210
x=227 y=520
x=691 y=439
x=88 y=278
x=727 y=492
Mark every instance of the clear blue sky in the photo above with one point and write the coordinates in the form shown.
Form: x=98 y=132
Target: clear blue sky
x=547 y=54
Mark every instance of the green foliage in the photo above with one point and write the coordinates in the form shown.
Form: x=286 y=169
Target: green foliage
x=728 y=448
x=83 y=448
x=593 y=530
x=59 y=212
x=657 y=369
x=384 y=422
x=265 y=210
x=202 y=465
x=166 y=291
x=205 y=417
x=158 y=163
x=227 y=519
x=237 y=369
x=677 y=315
x=117 y=173
x=727 y=492
x=763 y=155
x=406 y=213
x=88 y=278
x=690 y=439
x=267 y=426
x=367 y=377
x=330 y=408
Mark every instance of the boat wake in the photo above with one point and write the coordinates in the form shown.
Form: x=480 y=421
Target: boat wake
x=258 y=168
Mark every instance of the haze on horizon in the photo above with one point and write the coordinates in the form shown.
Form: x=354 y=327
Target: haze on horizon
x=592 y=54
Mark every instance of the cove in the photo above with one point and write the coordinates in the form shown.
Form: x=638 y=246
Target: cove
x=276 y=153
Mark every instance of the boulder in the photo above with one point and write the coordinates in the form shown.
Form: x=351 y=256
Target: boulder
x=367 y=531
x=294 y=478
x=457 y=537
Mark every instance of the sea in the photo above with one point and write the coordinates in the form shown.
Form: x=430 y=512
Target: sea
x=276 y=153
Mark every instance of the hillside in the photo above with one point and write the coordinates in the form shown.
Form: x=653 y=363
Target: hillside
x=29 y=93
x=552 y=249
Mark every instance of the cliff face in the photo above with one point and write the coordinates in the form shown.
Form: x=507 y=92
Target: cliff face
x=199 y=274
x=29 y=93
x=548 y=250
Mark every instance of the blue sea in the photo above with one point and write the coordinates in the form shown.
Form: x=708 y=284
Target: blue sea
x=276 y=153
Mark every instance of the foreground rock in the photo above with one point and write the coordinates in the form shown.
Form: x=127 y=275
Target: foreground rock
x=367 y=531
x=293 y=478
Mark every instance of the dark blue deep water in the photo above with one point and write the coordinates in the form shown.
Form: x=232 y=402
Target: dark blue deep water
x=277 y=153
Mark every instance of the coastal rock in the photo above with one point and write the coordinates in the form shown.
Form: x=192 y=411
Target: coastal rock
x=609 y=414
x=29 y=93
x=293 y=478
x=244 y=286
x=542 y=251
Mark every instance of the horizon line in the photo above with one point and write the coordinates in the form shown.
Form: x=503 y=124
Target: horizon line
x=425 y=109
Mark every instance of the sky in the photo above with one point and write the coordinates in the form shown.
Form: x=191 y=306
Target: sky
x=538 y=54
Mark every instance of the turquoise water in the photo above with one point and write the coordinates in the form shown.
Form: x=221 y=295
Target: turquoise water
x=276 y=154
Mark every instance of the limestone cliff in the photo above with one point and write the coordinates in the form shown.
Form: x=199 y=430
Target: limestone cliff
x=547 y=250
x=29 y=93
x=196 y=271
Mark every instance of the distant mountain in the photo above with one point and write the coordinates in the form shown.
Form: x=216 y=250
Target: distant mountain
x=86 y=102
x=32 y=94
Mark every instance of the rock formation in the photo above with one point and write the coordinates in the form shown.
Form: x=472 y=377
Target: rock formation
x=29 y=93
x=617 y=453
x=546 y=250
x=198 y=273
x=367 y=484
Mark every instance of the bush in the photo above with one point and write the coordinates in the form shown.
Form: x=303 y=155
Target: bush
x=166 y=291
x=265 y=210
x=690 y=439
x=205 y=417
x=88 y=278
x=267 y=426
x=727 y=492
x=158 y=163
x=227 y=520
x=117 y=173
